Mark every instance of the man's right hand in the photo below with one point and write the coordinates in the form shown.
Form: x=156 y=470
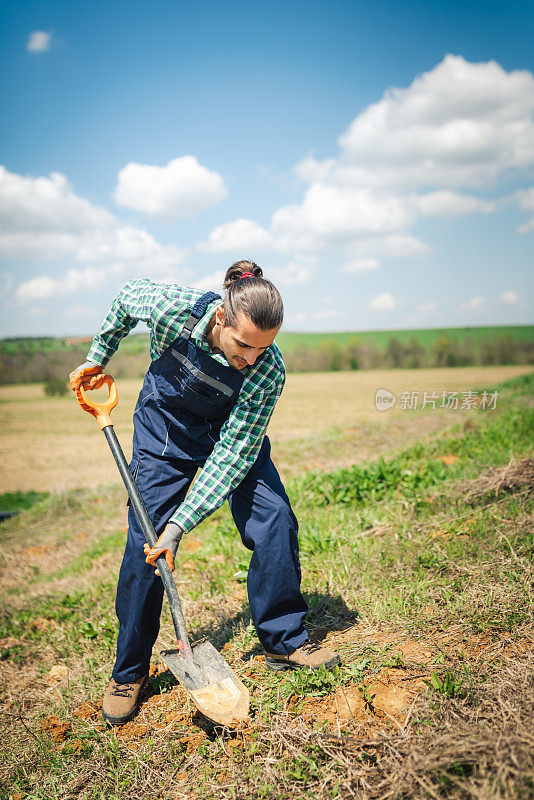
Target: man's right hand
x=88 y=376
x=167 y=545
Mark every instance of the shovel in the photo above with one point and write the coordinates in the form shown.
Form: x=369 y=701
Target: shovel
x=214 y=688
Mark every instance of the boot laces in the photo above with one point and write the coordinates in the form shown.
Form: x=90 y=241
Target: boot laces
x=310 y=647
x=122 y=690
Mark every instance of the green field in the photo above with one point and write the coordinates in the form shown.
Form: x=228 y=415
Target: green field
x=417 y=567
x=426 y=336
x=288 y=341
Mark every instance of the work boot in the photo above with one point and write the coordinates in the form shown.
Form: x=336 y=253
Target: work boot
x=309 y=655
x=121 y=701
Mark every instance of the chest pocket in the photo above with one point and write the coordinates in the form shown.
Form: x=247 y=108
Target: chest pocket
x=197 y=391
x=180 y=383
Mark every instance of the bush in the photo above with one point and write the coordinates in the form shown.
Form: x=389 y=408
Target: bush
x=55 y=386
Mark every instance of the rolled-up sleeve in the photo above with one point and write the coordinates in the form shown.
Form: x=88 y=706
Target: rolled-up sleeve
x=234 y=454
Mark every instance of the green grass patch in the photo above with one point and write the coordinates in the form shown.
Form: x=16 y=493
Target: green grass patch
x=20 y=501
x=414 y=472
x=112 y=542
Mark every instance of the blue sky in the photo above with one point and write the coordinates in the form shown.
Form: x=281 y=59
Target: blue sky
x=376 y=159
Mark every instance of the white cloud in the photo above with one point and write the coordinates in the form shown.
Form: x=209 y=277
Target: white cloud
x=44 y=219
x=309 y=170
x=400 y=160
x=331 y=215
x=213 y=281
x=46 y=205
x=383 y=302
x=460 y=124
x=445 y=203
x=74 y=280
x=360 y=265
x=525 y=199
x=38 y=42
x=128 y=244
x=509 y=298
x=480 y=303
x=238 y=236
x=426 y=308
x=474 y=304
x=181 y=188
x=294 y=273
x=397 y=245
x=83 y=279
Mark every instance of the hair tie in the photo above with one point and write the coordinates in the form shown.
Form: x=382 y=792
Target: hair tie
x=246 y=275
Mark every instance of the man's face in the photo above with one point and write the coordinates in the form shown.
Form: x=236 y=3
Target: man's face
x=243 y=343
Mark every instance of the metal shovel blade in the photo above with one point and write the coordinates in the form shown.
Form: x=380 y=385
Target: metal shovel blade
x=215 y=689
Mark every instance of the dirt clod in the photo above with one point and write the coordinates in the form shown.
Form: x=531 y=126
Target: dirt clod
x=58 y=674
x=132 y=730
x=43 y=624
x=192 y=741
x=448 y=459
x=58 y=730
x=88 y=710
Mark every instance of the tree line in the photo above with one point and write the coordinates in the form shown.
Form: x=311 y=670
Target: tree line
x=446 y=351
x=27 y=364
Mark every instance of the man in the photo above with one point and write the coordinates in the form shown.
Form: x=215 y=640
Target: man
x=206 y=401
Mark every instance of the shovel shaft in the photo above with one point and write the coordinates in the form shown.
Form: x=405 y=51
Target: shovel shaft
x=150 y=535
x=214 y=688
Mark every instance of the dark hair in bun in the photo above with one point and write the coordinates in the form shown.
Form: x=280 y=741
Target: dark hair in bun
x=256 y=297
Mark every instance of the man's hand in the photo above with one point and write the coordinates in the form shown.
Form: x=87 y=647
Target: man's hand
x=88 y=376
x=167 y=544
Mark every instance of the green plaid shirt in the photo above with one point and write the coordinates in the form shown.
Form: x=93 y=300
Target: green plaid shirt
x=242 y=434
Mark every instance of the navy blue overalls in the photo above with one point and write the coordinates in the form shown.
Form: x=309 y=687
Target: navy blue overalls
x=186 y=397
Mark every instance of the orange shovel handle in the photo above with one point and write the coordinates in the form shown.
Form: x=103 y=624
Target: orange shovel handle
x=101 y=412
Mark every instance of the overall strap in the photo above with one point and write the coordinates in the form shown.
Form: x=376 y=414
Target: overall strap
x=197 y=312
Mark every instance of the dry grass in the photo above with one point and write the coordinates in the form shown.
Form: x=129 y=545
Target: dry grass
x=48 y=444
x=515 y=475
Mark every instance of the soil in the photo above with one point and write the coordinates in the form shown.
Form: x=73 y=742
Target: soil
x=383 y=703
x=57 y=730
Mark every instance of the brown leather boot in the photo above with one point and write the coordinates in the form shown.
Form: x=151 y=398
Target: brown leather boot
x=309 y=655
x=121 y=701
